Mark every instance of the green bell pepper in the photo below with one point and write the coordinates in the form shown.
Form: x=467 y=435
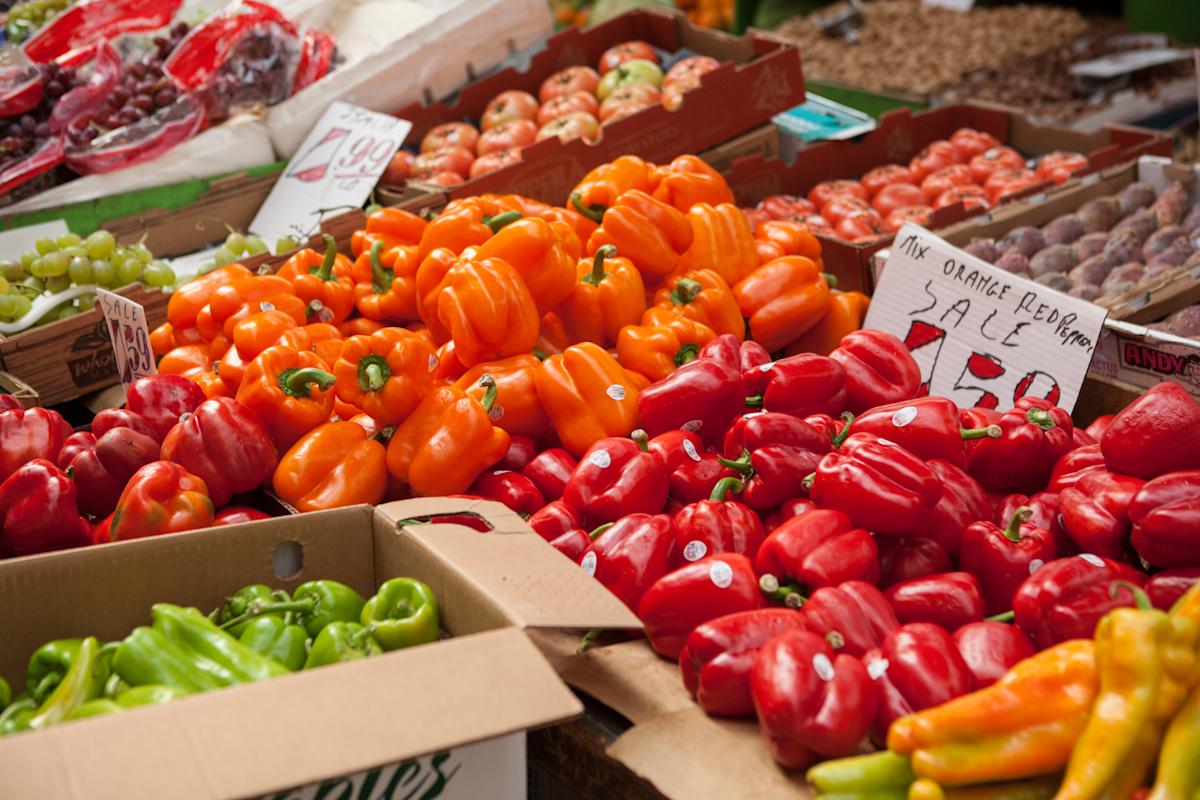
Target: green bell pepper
x=147 y=656
x=404 y=612
x=83 y=681
x=149 y=695
x=235 y=613
x=315 y=605
x=95 y=708
x=47 y=666
x=278 y=639
x=339 y=642
x=16 y=715
x=212 y=650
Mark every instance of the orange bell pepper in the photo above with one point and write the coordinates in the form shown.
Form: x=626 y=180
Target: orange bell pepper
x=360 y=326
x=651 y=234
x=552 y=335
x=844 y=314
x=446 y=443
x=783 y=299
x=488 y=311
x=334 y=465
x=323 y=282
x=218 y=346
x=587 y=396
x=767 y=250
x=385 y=374
x=391 y=226
x=289 y=390
x=259 y=331
x=244 y=296
x=688 y=180
x=608 y=295
x=188 y=299
x=464 y=223
x=517 y=408
x=321 y=338
x=190 y=361
x=449 y=368
x=791 y=237
x=212 y=385
x=663 y=342
x=722 y=242
x=601 y=187
x=385 y=284
x=231 y=367
x=543 y=254
x=705 y=297
x=430 y=274
x=528 y=207
x=162 y=340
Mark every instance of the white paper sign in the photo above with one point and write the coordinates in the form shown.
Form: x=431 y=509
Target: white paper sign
x=126 y=323
x=953 y=5
x=982 y=336
x=337 y=166
x=19 y=240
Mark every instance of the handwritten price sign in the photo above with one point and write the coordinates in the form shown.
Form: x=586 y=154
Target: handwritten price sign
x=126 y=323
x=982 y=336
x=337 y=165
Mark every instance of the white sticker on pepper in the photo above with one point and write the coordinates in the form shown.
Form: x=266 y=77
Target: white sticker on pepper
x=1035 y=565
x=695 y=550
x=496 y=413
x=1094 y=560
x=616 y=391
x=721 y=574
x=692 y=425
x=876 y=669
x=433 y=362
x=600 y=459
x=766 y=367
x=823 y=667
x=588 y=564
x=904 y=416
x=689 y=450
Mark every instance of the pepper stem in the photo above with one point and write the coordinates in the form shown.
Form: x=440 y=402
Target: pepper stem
x=790 y=595
x=989 y=432
x=373 y=373
x=587 y=640
x=642 y=438
x=595 y=534
x=806 y=483
x=1141 y=600
x=685 y=291
x=381 y=279
x=687 y=353
x=598 y=274
x=1013 y=531
x=325 y=270
x=257 y=609
x=724 y=487
x=836 y=640
x=500 y=220
x=1040 y=417
x=489 y=392
x=1007 y=616
x=741 y=464
x=48 y=682
x=830 y=279
x=754 y=401
x=848 y=418
x=299 y=382
x=359 y=638
x=593 y=212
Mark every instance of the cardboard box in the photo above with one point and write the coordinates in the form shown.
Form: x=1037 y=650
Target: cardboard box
x=899 y=136
x=402 y=718
x=1133 y=357
x=762 y=78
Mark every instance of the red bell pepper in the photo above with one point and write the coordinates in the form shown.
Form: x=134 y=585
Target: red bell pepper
x=810 y=701
x=797 y=385
x=1166 y=520
x=73 y=445
x=550 y=470
x=853 y=616
x=629 y=556
x=758 y=429
x=772 y=474
x=1164 y=588
x=237 y=515
x=820 y=548
x=102 y=470
x=716 y=525
x=1095 y=512
x=8 y=402
x=718 y=657
x=26 y=435
x=616 y=477
x=948 y=599
x=1073 y=465
x=879 y=485
x=1067 y=597
x=902 y=558
x=879 y=369
x=741 y=356
x=37 y=510
x=510 y=488
x=573 y=543
x=1003 y=558
x=702 y=396
x=1045 y=513
x=694 y=594
x=834 y=430
x=693 y=473
x=521 y=450
x=1157 y=433
x=925 y=426
x=963 y=501
x=161 y=497
x=554 y=519
x=161 y=400
x=1099 y=426
x=787 y=509
x=111 y=418
x=991 y=649
x=918 y=666
x=1034 y=435
x=1080 y=438
x=224 y=444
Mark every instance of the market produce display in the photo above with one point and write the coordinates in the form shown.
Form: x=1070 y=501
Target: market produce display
x=258 y=633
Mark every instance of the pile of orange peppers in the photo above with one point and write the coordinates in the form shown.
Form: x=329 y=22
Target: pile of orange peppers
x=405 y=368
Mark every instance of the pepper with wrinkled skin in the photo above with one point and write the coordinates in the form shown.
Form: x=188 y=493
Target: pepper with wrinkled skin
x=386 y=374
x=161 y=497
x=879 y=369
x=403 y=612
x=289 y=390
x=543 y=253
x=385 y=284
x=1095 y=512
x=783 y=299
x=587 y=395
x=688 y=180
x=1034 y=434
x=853 y=616
x=651 y=234
x=703 y=296
x=1165 y=514
x=322 y=281
x=662 y=342
x=608 y=295
x=336 y=464
x=226 y=445
x=722 y=242
x=487 y=309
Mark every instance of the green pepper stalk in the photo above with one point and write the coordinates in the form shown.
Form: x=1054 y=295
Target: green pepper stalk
x=404 y=613
x=315 y=604
x=339 y=642
x=237 y=604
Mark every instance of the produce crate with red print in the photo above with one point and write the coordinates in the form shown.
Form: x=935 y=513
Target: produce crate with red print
x=913 y=142
x=758 y=76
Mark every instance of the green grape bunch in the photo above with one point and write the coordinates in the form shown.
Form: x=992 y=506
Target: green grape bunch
x=26 y=18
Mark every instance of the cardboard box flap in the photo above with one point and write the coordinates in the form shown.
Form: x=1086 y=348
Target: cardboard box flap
x=629 y=678
x=251 y=740
x=532 y=584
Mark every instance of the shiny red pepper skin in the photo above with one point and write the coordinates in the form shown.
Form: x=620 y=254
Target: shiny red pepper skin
x=1067 y=597
x=829 y=427
x=550 y=470
x=1157 y=433
x=755 y=430
x=1034 y=435
x=73 y=445
x=572 y=544
x=1164 y=588
x=1073 y=465
x=102 y=470
x=631 y=555
x=740 y=355
x=26 y=435
x=616 y=477
x=554 y=519
x=162 y=399
x=881 y=486
x=963 y=501
x=853 y=616
x=1166 y=520
x=991 y=649
x=717 y=659
x=37 y=510
x=927 y=427
x=879 y=369
x=521 y=450
x=773 y=473
x=702 y=396
x=694 y=594
x=225 y=445
x=810 y=700
x=918 y=666
x=510 y=488
x=820 y=548
x=787 y=509
x=694 y=481
x=675 y=448
x=719 y=524
x=1095 y=512
x=948 y=599
x=1099 y=426
x=1045 y=508
x=237 y=515
x=902 y=558
x=111 y=418
x=799 y=385
x=8 y=402
x=1002 y=558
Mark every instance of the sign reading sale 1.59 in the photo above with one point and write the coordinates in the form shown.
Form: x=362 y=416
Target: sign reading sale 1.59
x=982 y=336
x=126 y=323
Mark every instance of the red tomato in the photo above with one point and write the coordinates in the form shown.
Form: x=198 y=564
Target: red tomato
x=1004 y=182
x=897 y=195
x=883 y=176
x=786 y=206
x=918 y=214
x=576 y=125
x=1060 y=165
x=814 y=223
x=450 y=134
x=565 y=104
x=451 y=159
x=508 y=106
x=991 y=160
x=398 y=169
x=446 y=179
x=628 y=99
x=970 y=142
x=971 y=196
x=937 y=154
x=945 y=178
x=688 y=71
x=826 y=190
x=860 y=227
x=494 y=161
x=756 y=217
x=514 y=133
x=569 y=81
x=618 y=54
x=841 y=206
